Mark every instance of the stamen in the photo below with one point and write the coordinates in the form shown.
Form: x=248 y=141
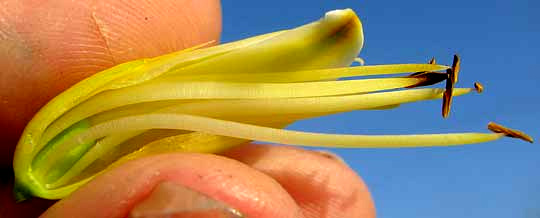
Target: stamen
x=479 y=87
x=497 y=128
x=308 y=75
x=275 y=135
x=310 y=107
x=452 y=79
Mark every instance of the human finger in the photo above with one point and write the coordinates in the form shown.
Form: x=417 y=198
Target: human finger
x=118 y=191
x=320 y=182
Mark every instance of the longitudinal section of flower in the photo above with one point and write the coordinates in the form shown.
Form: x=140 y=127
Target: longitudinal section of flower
x=211 y=99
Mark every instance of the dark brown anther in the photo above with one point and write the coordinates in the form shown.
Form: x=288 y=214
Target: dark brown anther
x=479 y=87
x=447 y=95
x=455 y=68
x=427 y=78
x=423 y=74
x=450 y=82
x=497 y=128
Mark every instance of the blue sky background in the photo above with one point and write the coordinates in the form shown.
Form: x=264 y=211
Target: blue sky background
x=499 y=45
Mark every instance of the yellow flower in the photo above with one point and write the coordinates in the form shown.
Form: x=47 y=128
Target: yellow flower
x=210 y=99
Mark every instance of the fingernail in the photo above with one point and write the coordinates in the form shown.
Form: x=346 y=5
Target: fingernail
x=169 y=199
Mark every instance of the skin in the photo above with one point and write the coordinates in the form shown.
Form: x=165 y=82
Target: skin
x=46 y=46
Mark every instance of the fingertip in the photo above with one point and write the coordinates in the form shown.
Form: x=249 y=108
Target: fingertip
x=121 y=189
x=321 y=184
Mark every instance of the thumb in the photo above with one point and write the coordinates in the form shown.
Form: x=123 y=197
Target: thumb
x=47 y=46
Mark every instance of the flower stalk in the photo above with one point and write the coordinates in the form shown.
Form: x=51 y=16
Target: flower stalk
x=211 y=99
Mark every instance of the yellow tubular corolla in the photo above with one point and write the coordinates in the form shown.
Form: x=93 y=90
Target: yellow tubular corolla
x=210 y=99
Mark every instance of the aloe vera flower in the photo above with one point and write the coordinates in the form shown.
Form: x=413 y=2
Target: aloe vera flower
x=194 y=100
